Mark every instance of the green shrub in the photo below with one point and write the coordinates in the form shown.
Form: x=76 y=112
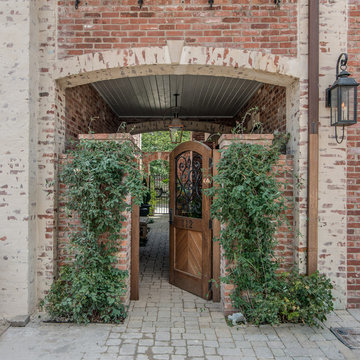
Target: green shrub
x=248 y=198
x=90 y=289
x=100 y=176
x=305 y=298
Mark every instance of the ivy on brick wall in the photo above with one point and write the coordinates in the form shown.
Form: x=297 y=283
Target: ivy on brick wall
x=101 y=177
x=248 y=199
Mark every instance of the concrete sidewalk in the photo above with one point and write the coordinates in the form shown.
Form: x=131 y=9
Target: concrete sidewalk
x=168 y=323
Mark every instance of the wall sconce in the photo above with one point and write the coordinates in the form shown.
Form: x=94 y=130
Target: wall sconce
x=211 y=2
x=277 y=2
x=77 y=2
x=140 y=2
x=341 y=98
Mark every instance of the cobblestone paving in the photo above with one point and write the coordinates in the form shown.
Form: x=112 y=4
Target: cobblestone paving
x=171 y=324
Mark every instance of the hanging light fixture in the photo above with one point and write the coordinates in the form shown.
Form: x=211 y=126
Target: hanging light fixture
x=176 y=127
x=341 y=98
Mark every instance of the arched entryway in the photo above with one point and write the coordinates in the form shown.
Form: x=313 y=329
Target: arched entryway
x=194 y=65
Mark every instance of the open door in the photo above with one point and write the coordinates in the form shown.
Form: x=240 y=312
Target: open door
x=190 y=223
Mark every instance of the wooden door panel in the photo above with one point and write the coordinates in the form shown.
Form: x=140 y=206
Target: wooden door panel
x=188 y=252
x=190 y=235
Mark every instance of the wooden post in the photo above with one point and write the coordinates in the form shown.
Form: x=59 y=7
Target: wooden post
x=313 y=140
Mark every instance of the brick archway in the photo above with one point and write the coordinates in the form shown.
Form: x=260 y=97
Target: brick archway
x=218 y=62
x=152 y=156
x=187 y=60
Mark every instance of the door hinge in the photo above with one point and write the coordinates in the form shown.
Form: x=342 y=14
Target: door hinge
x=210 y=224
x=210 y=286
x=210 y=163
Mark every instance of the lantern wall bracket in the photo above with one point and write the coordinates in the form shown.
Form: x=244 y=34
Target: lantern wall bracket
x=77 y=2
x=342 y=63
x=140 y=2
x=211 y=3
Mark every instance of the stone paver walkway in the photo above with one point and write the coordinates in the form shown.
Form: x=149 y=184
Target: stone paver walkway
x=171 y=324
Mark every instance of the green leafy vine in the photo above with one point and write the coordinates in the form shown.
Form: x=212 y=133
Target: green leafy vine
x=248 y=199
x=101 y=177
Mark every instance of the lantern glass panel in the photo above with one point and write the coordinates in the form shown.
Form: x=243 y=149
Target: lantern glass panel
x=175 y=134
x=334 y=105
x=347 y=104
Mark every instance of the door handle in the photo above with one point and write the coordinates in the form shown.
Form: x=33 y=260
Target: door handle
x=171 y=217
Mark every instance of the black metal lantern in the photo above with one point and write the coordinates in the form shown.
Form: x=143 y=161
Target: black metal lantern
x=176 y=127
x=341 y=97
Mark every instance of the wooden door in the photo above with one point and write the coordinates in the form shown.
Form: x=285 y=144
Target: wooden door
x=190 y=223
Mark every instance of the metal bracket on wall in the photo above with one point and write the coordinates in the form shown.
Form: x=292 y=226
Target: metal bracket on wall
x=211 y=2
x=277 y=2
x=77 y=2
x=140 y=2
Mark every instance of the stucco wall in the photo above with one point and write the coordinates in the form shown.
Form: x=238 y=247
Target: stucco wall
x=17 y=158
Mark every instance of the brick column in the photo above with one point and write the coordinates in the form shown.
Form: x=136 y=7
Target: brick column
x=65 y=222
x=285 y=237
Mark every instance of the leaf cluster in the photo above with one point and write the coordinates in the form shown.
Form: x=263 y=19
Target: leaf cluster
x=100 y=177
x=249 y=201
x=160 y=141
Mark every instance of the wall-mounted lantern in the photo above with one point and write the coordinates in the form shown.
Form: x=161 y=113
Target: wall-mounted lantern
x=77 y=2
x=211 y=3
x=341 y=98
x=140 y=2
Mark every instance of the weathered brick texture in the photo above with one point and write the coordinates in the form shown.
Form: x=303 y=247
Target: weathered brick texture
x=87 y=111
x=353 y=168
x=271 y=103
x=110 y=24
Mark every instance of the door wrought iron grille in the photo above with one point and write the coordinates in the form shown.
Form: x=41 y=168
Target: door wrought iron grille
x=161 y=185
x=188 y=188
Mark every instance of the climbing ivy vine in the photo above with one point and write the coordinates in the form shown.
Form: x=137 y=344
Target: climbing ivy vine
x=249 y=201
x=100 y=177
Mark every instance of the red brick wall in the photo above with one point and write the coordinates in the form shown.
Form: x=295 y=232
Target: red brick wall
x=271 y=101
x=197 y=136
x=83 y=103
x=353 y=167
x=100 y=25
